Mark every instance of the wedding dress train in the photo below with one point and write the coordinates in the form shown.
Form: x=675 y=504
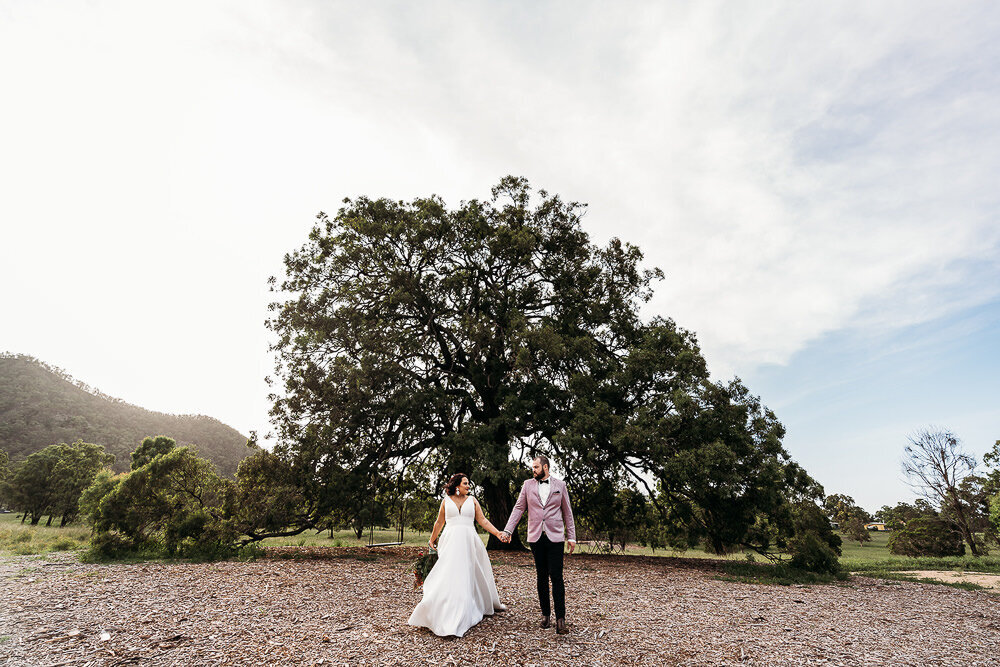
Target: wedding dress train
x=459 y=590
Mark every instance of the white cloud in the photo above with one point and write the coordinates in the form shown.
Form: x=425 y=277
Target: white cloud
x=796 y=169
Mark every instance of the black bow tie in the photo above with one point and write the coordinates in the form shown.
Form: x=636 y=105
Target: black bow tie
x=543 y=481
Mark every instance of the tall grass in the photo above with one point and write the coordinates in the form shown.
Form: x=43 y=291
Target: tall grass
x=26 y=540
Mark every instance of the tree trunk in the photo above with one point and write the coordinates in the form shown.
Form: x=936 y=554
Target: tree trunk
x=499 y=505
x=963 y=525
x=49 y=522
x=35 y=519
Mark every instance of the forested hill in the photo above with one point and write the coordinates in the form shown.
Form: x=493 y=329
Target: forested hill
x=41 y=406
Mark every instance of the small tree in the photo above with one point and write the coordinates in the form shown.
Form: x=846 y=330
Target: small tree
x=31 y=490
x=150 y=448
x=78 y=464
x=173 y=503
x=842 y=508
x=814 y=546
x=4 y=474
x=991 y=490
x=927 y=536
x=104 y=482
x=266 y=499
x=855 y=529
x=936 y=466
x=896 y=518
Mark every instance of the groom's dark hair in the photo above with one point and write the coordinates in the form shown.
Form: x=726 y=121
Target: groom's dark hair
x=544 y=460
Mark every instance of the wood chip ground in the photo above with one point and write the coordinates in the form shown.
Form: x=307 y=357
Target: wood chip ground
x=350 y=606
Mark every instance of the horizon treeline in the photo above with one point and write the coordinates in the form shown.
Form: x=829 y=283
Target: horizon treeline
x=41 y=405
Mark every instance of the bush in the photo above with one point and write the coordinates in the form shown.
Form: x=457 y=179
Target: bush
x=64 y=544
x=252 y=551
x=209 y=540
x=927 y=536
x=169 y=506
x=811 y=553
x=110 y=546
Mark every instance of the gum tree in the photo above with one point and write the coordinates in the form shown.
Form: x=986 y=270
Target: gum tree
x=414 y=335
x=936 y=466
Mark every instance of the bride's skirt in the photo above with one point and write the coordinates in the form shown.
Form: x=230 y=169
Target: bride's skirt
x=460 y=589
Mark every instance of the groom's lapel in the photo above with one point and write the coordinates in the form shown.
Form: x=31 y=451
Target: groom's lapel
x=538 y=494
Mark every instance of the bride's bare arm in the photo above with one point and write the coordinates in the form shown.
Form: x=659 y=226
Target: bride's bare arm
x=438 y=525
x=484 y=522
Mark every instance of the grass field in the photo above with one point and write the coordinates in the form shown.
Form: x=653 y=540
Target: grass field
x=24 y=540
x=346 y=538
x=872 y=559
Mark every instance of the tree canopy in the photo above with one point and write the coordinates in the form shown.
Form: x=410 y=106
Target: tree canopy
x=52 y=480
x=411 y=335
x=939 y=469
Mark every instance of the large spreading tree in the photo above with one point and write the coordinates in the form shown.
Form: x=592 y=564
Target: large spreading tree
x=411 y=336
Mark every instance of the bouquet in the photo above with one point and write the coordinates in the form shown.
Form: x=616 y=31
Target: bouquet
x=423 y=566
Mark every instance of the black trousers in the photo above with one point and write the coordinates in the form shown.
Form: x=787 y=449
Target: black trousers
x=549 y=565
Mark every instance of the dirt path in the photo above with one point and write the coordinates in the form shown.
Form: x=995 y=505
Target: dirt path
x=984 y=579
x=353 y=610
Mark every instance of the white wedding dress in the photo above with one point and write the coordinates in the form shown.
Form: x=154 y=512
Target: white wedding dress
x=459 y=590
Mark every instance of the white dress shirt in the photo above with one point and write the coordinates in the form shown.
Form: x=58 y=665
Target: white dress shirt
x=543 y=491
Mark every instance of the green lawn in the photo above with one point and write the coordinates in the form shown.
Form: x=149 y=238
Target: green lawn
x=23 y=539
x=346 y=538
x=872 y=559
x=878 y=548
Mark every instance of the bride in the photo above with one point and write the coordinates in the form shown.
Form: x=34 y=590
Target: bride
x=459 y=590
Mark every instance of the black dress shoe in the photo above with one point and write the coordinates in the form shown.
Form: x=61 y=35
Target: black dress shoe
x=545 y=622
x=561 y=626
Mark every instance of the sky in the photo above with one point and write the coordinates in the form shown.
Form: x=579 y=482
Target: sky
x=816 y=180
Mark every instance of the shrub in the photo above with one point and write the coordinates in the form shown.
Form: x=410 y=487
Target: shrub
x=927 y=536
x=811 y=553
x=813 y=545
x=211 y=540
x=170 y=506
x=64 y=544
x=113 y=547
x=252 y=551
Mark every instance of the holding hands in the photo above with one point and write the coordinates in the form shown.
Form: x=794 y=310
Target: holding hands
x=504 y=536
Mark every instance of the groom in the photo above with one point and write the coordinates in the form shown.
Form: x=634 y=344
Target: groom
x=550 y=523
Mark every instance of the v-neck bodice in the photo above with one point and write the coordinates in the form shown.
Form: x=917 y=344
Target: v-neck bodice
x=455 y=515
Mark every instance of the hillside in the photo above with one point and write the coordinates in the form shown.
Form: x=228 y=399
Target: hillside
x=41 y=406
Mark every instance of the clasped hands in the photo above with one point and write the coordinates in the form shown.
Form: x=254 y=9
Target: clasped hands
x=504 y=537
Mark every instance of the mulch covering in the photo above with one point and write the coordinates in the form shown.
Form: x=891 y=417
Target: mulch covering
x=349 y=606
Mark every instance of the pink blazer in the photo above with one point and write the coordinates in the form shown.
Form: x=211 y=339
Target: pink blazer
x=555 y=517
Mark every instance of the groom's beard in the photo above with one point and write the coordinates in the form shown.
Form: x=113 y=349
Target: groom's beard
x=540 y=476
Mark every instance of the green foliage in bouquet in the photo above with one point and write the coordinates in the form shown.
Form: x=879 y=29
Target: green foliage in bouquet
x=423 y=566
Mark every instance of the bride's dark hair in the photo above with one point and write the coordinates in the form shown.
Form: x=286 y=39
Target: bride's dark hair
x=452 y=486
